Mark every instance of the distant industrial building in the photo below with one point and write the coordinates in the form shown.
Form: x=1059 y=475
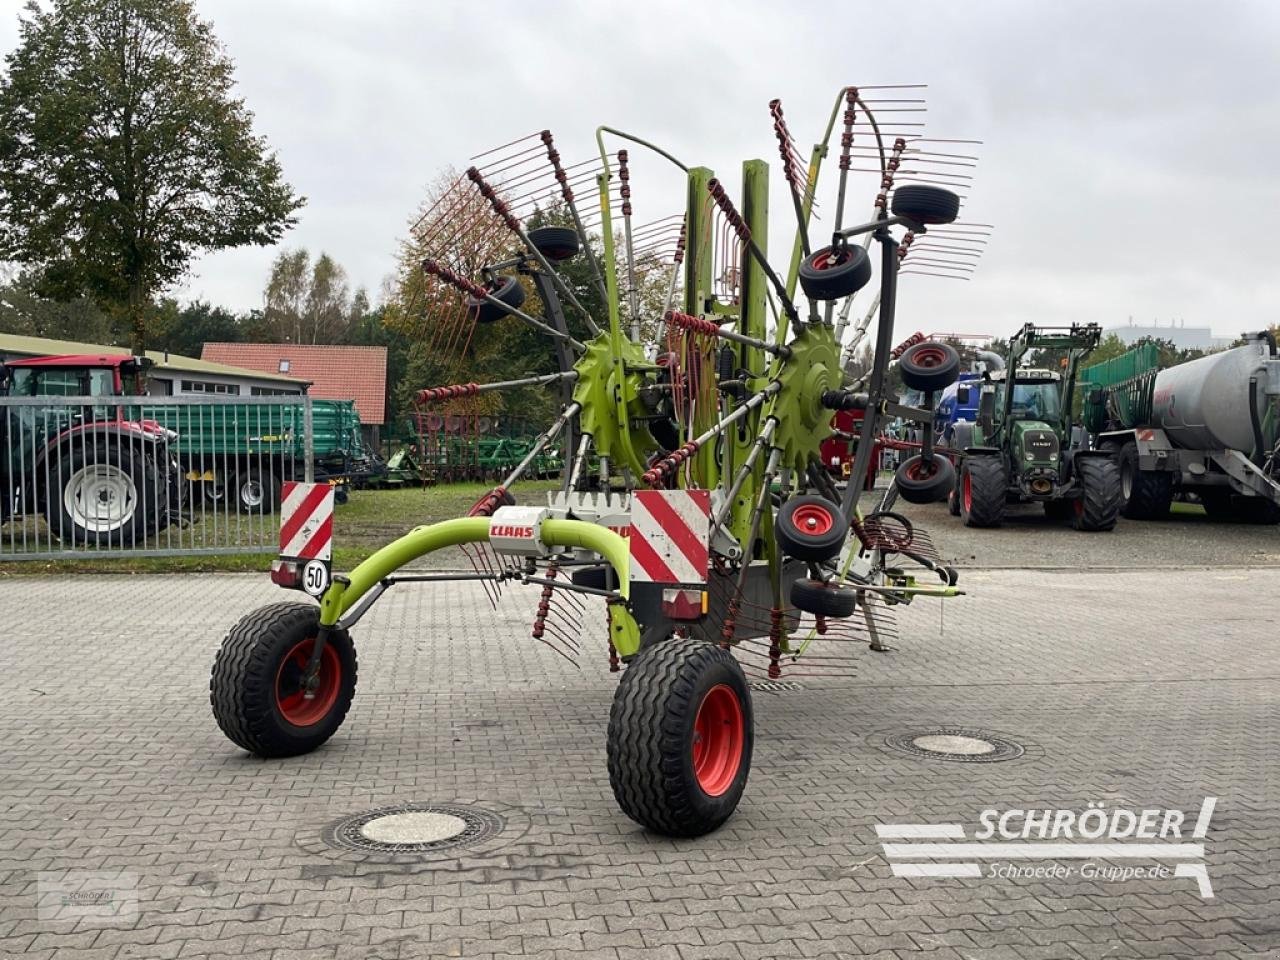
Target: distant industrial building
x=1176 y=332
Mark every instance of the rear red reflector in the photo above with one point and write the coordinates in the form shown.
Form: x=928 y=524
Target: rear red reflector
x=287 y=573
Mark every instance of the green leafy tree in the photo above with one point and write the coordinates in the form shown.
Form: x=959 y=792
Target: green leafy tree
x=124 y=154
x=310 y=302
x=24 y=311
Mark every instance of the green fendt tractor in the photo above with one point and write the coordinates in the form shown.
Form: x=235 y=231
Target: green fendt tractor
x=1022 y=449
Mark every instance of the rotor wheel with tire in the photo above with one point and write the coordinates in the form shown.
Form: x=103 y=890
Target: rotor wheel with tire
x=931 y=206
x=929 y=366
x=982 y=492
x=823 y=599
x=925 y=481
x=1098 y=506
x=258 y=490
x=810 y=528
x=257 y=690
x=835 y=272
x=508 y=290
x=1144 y=494
x=104 y=495
x=557 y=244
x=680 y=737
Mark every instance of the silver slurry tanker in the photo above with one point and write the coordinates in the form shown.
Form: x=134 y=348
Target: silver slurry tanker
x=1216 y=401
x=1208 y=427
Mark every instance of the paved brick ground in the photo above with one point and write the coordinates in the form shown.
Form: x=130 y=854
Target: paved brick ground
x=1138 y=690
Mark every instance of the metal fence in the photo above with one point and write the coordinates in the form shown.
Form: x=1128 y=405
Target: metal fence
x=161 y=476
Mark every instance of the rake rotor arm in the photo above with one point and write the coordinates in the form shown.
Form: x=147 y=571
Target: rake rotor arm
x=437 y=269
x=700 y=325
x=432 y=394
x=546 y=437
x=502 y=210
x=664 y=467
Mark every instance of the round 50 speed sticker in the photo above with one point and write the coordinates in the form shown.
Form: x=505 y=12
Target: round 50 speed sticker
x=315 y=577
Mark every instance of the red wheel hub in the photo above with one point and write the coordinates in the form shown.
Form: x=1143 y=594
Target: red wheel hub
x=929 y=357
x=812 y=520
x=290 y=696
x=921 y=469
x=719 y=735
x=829 y=259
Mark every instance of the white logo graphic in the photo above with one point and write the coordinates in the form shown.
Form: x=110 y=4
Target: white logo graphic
x=1054 y=835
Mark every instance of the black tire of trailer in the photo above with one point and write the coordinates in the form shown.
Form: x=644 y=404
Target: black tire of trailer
x=673 y=768
x=75 y=471
x=254 y=688
x=1144 y=494
x=1098 y=506
x=257 y=488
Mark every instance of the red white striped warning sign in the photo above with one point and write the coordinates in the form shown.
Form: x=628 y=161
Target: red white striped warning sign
x=669 y=534
x=306 y=521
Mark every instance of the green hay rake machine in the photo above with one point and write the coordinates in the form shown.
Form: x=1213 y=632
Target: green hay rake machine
x=693 y=500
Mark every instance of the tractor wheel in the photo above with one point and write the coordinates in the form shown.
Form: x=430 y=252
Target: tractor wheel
x=107 y=495
x=835 y=272
x=258 y=490
x=953 y=498
x=557 y=244
x=823 y=599
x=1144 y=494
x=982 y=491
x=1099 y=502
x=680 y=737
x=929 y=366
x=508 y=290
x=811 y=528
x=925 y=481
x=256 y=690
x=924 y=204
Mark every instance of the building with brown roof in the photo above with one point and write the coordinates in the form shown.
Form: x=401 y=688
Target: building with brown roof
x=335 y=372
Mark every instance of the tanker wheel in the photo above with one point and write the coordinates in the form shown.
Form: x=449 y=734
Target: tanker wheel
x=680 y=737
x=256 y=689
x=1144 y=494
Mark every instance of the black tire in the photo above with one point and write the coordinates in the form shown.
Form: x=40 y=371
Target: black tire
x=1144 y=494
x=823 y=599
x=257 y=490
x=651 y=748
x=255 y=694
x=555 y=243
x=835 y=272
x=1255 y=510
x=982 y=492
x=105 y=494
x=953 y=498
x=931 y=206
x=925 y=481
x=929 y=366
x=1216 y=502
x=506 y=289
x=1099 y=504
x=810 y=528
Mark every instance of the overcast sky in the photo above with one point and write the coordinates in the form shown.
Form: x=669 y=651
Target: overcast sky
x=1129 y=160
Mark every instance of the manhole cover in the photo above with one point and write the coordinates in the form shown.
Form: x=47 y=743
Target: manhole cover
x=774 y=686
x=414 y=828
x=955 y=743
